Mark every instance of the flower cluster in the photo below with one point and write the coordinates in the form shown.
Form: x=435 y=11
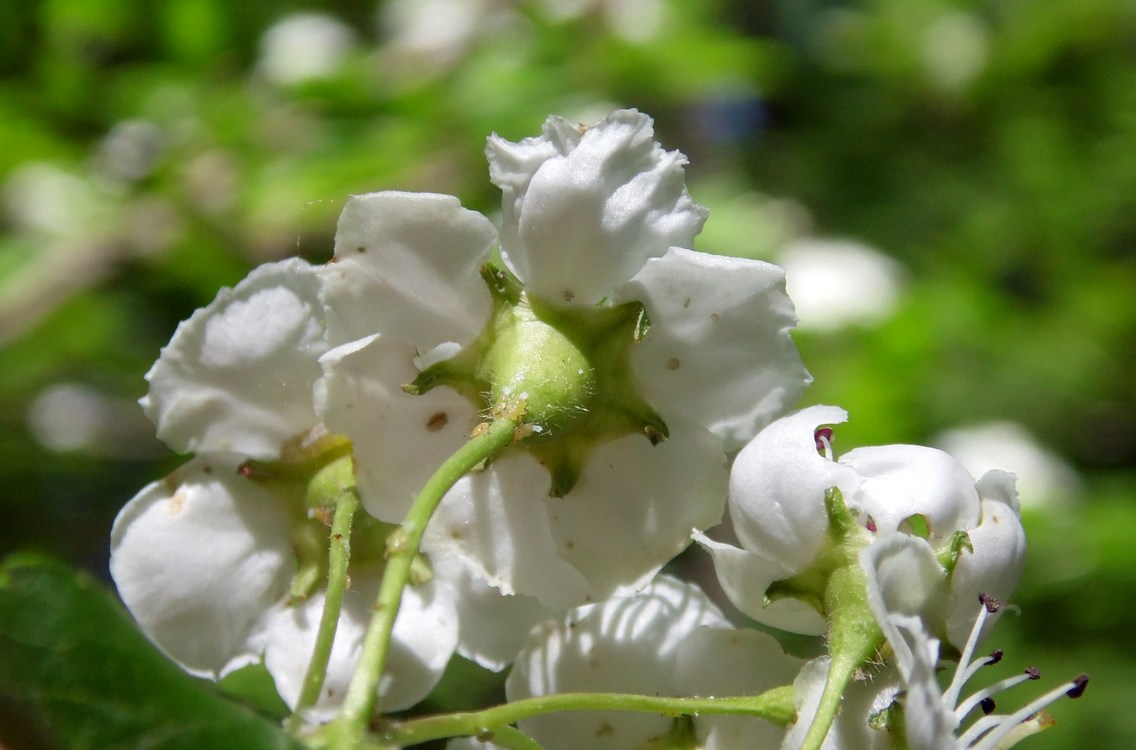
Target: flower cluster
x=627 y=390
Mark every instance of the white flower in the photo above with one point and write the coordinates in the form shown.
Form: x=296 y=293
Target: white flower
x=934 y=716
x=777 y=488
x=205 y=558
x=838 y=283
x=1045 y=480
x=668 y=639
x=303 y=47
x=591 y=215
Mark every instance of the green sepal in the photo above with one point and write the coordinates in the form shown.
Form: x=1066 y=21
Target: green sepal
x=950 y=553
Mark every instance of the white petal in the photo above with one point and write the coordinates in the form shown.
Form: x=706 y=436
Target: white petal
x=572 y=549
x=745 y=576
x=399 y=439
x=777 y=488
x=719 y=347
x=904 y=578
x=584 y=207
x=237 y=376
x=930 y=724
x=621 y=645
x=727 y=661
x=495 y=521
x=199 y=558
x=424 y=637
x=850 y=731
x=995 y=568
x=493 y=626
x=407 y=264
x=903 y=480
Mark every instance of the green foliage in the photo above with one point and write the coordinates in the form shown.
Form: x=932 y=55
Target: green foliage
x=67 y=647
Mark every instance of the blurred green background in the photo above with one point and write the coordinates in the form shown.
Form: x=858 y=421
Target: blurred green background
x=951 y=183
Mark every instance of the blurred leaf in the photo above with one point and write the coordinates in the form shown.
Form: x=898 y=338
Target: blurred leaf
x=68 y=649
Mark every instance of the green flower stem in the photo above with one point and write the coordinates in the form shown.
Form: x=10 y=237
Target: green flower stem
x=338 y=557
x=853 y=634
x=348 y=728
x=514 y=739
x=774 y=705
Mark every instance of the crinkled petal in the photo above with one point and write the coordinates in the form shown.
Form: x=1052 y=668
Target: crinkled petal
x=900 y=481
x=408 y=264
x=237 y=375
x=620 y=645
x=777 y=488
x=726 y=661
x=745 y=576
x=423 y=640
x=719 y=347
x=399 y=439
x=584 y=207
x=994 y=567
x=199 y=558
x=493 y=626
x=524 y=541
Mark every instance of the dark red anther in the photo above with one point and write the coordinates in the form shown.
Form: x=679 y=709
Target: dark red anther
x=987 y=705
x=992 y=605
x=995 y=657
x=1033 y=673
x=1078 y=688
x=871 y=525
x=822 y=435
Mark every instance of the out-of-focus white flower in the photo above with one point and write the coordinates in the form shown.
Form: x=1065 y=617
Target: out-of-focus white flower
x=594 y=218
x=637 y=21
x=428 y=37
x=68 y=417
x=43 y=198
x=129 y=151
x=955 y=49
x=838 y=283
x=777 y=489
x=304 y=47
x=1044 y=479
x=668 y=639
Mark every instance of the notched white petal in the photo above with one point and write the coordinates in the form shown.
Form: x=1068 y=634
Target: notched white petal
x=904 y=480
x=584 y=207
x=777 y=487
x=407 y=264
x=719 y=348
x=237 y=375
x=199 y=558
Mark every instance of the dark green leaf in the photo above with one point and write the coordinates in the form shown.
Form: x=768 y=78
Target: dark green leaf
x=67 y=648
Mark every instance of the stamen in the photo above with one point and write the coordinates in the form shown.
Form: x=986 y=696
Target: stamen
x=965 y=669
x=823 y=438
x=983 y=695
x=1009 y=724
